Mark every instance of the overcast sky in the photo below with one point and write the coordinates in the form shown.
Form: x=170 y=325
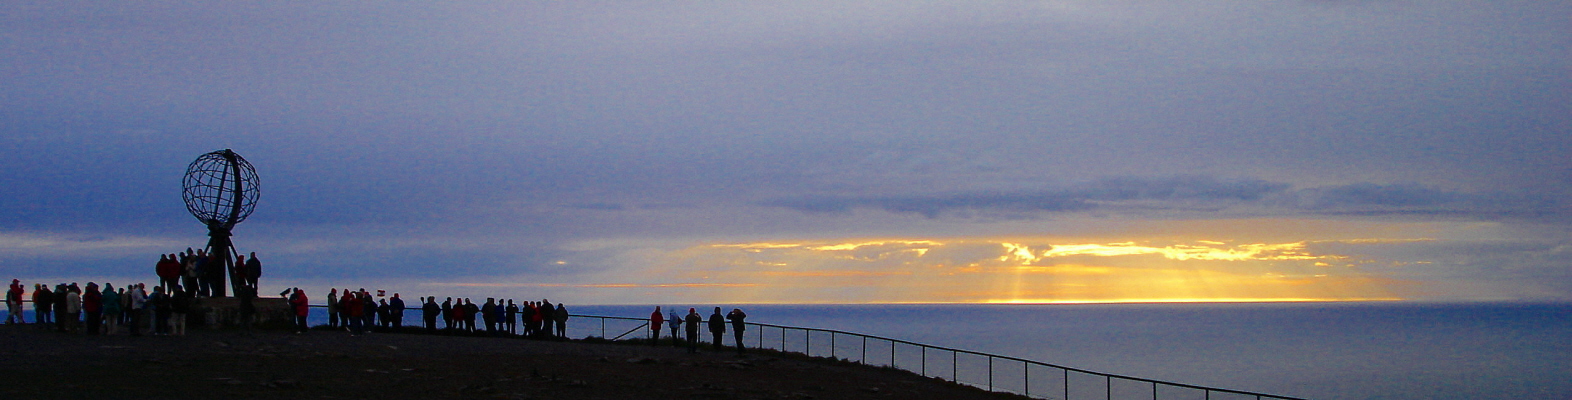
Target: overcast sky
x=836 y=151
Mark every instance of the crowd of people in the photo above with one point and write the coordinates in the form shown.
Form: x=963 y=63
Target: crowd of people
x=716 y=325
x=93 y=310
x=184 y=278
x=356 y=310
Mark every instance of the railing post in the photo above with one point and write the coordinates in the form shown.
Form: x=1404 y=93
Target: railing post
x=863 y=359
x=1108 y=388
x=1026 y=379
x=807 y=342
x=955 y=369
x=832 y=347
x=1154 y=391
x=602 y=327
x=925 y=361
x=892 y=354
x=1066 y=383
x=990 y=373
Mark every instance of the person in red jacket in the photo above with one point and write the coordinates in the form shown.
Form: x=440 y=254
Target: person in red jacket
x=354 y=308
x=168 y=270
x=93 y=307
x=656 y=320
x=13 y=303
x=302 y=309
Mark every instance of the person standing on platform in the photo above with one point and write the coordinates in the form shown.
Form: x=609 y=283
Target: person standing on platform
x=112 y=309
x=384 y=313
x=562 y=321
x=73 y=308
x=214 y=267
x=138 y=309
x=43 y=305
x=488 y=313
x=429 y=312
x=738 y=324
x=447 y=314
x=396 y=311
x=188 y=273
x=179 y=310
x=655 y=322
x=13 y=303
x=332 y=307
x=302 y=309
x=62 y=298
x=692 y=321
x=546 y=311
x=512 y=315
x=159 y=302
x=353 y=313
x=717 y=326
x=167 y=269
x=92 y=309
x=199 y=266
x=471 y=312
x=252 y=271
x=528 y=316
x=676 y=323
x=368 y=309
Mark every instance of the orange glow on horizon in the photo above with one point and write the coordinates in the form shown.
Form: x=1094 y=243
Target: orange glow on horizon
x=1016 y=270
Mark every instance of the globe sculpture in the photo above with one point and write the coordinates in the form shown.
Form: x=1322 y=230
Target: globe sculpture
x=221 y=190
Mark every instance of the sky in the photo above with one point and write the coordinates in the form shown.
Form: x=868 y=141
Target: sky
x=810 y=151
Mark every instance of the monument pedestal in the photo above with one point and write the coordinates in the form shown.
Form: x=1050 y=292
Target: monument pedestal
x=224 y=312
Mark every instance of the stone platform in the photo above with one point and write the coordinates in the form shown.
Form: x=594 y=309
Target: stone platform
x=221 y=312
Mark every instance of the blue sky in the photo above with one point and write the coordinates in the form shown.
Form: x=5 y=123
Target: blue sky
x=622 y=151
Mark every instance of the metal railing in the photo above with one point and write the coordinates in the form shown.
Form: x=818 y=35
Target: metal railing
x=993 y=372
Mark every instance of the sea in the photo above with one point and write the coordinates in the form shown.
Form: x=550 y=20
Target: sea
x=1362 y=350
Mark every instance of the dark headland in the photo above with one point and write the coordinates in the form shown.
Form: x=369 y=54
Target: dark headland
x=264 y=364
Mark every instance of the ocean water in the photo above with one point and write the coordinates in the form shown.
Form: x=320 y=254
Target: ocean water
x=1310 y=350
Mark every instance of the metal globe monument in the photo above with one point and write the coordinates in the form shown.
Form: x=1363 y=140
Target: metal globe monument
x=221 y=190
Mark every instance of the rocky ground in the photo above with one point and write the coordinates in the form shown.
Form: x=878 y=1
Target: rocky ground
x=39 y=364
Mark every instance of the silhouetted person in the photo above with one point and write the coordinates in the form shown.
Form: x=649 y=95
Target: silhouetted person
x=168 y=270
x=92 y=308
x=180 y=310
x=214 y=267
x=692 y=321
x=512 y=317
x=332 y=308
x=447 y=314
x=655 y=324
x=546 y=309
x=252 y=271
x=160 y=304
x=429 y=312
x=488 y=313
x=562 y=321
x=354 y=312
x=43 y=305
x=717 y=326
x=396 y=311
x=13 y=303
x=737 y=317
x=384 y=313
